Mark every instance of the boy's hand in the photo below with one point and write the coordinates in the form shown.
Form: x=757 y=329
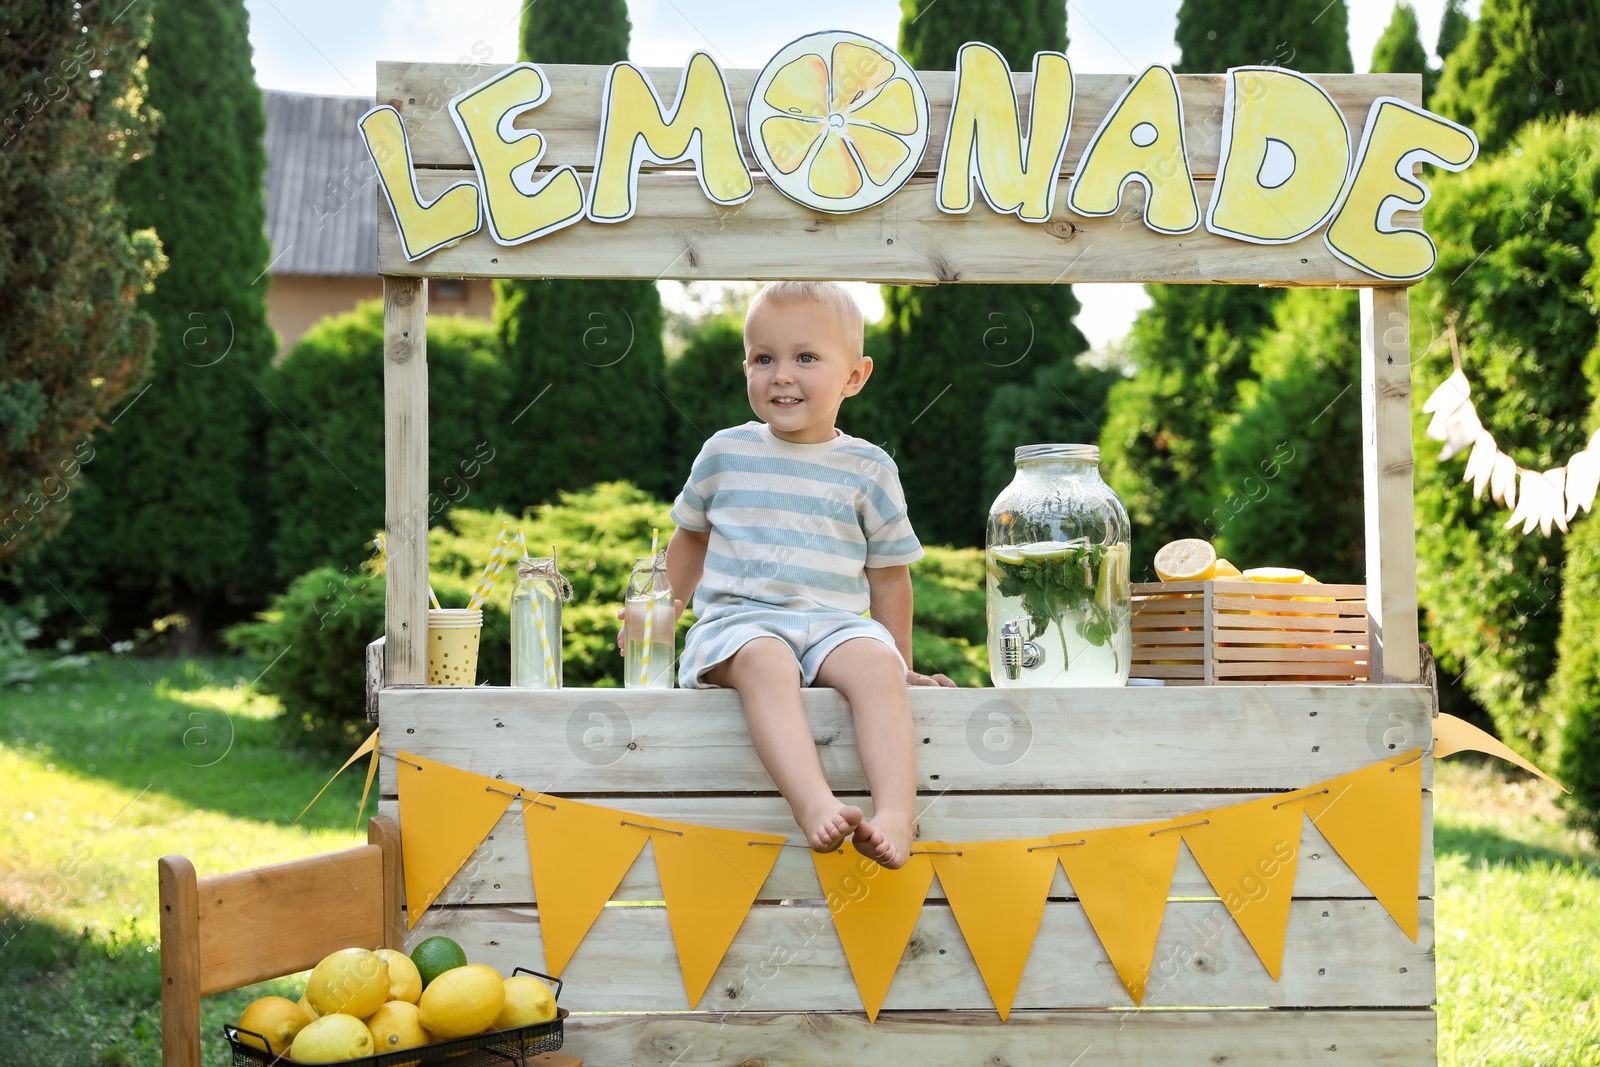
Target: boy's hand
x=913 y=678
x=677 y=612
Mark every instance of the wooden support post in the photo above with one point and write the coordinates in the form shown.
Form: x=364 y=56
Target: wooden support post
x=405 y=455
x=382 y=831
x=1386 y=463
x=179 y=893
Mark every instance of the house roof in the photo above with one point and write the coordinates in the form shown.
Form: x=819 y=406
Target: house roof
x=322 y=208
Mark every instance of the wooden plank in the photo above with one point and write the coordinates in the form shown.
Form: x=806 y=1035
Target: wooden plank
x=270 y=921
x=961 y=1039
x=180 y=962
x=498 y=873
x=678 y=233
x=1387 y=465
x=613 y=741
x=1286 y=604
x=569 y=121
x=384 y=831
x=374 y=677
x=1339 y=953
x=1278 y=657
x=405 y=464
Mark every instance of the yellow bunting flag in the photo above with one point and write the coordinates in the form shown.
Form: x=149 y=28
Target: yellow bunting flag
x=1373 y=820
x=1121 y=877
x=369 y=745
x=578 y=853
x=997 y=892
x=445 y=813
x=1249 y=853
x=874 y=911
x=710 y=878
x=1452 y=735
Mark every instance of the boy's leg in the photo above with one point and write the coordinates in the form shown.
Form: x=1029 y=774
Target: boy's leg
x=767 y=677
x=872 y=678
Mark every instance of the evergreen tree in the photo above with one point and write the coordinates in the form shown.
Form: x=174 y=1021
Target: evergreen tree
x=73 y=346
x=1517 y=239
x=706 y=384
x=178 y=520
x=1191 y=347
x=1287 y=477
x=1306 y=35
x=1521 y=60
x=949 y=347
x=586 y=358
x=1399 y=50
x=1453 y=27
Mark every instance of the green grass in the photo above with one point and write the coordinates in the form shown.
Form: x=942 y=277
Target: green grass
x=100 y=777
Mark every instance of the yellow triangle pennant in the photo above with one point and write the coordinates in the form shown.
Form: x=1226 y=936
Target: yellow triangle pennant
x=1249 y=853
x=369 y=745
x=445 y=813
x=1452 y=735
x=578 y=854
x=1121 y=876
x=874 y=910
x=710 y=878
x=997 y=892
x=1373 y=819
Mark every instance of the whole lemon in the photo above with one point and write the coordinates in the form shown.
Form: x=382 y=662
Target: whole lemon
x=528 y=1001
x=305 y=1006
x=396 y=1025
x=332 y=1038
x=405 y=981
x=462 y=1001
x=277 y=1019
x=353 y=980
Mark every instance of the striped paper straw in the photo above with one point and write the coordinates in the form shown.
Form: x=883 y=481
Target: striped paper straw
x=649 y=613
x=504 y=548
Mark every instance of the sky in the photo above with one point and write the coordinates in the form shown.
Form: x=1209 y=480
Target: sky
x=318 y=46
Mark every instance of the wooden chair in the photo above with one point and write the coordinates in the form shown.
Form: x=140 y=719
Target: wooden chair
x=231 y=930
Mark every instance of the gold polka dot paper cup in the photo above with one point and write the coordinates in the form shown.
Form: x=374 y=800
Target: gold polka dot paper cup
x=453 y=645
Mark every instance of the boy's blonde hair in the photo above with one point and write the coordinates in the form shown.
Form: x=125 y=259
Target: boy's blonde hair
x=831 y=295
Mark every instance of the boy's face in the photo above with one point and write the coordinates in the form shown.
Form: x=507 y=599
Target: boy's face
x=799 y=367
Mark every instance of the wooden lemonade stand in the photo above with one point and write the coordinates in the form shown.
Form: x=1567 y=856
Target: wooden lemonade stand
x=1353 y=987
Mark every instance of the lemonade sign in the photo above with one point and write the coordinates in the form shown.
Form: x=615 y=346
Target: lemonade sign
x=839 y=123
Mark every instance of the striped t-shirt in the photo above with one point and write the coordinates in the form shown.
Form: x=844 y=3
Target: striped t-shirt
x=794 y=525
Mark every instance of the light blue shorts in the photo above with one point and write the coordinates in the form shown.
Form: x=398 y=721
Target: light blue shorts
x=810 y=635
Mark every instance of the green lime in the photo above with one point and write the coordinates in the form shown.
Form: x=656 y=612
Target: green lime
x=435 y=956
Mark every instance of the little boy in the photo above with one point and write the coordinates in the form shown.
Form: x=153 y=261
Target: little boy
x=788 y=530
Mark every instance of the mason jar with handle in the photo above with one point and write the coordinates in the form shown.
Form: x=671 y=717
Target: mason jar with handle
x=1057 y=574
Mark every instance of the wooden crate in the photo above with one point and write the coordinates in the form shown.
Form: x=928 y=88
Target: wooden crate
x=1237 y=632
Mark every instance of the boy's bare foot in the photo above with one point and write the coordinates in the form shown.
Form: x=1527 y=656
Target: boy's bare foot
x=827 y=823
x=886 y=840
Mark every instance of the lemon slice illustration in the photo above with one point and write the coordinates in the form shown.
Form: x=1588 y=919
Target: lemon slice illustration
x=838 y=121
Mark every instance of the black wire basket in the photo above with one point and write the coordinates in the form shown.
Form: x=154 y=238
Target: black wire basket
x=496 y=1048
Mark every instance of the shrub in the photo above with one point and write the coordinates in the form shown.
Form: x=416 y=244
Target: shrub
x=1573 y=702
x=310 y=642
x=326 y=456
x=310 y=648
x=1517 y=242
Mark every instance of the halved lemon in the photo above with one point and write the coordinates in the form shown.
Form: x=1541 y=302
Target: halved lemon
x=1188 y=559
x=1224 y=569
x=1286 y=575
x=838 y=121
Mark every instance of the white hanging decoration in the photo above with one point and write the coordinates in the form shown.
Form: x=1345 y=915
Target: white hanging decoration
x=1536 y=498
